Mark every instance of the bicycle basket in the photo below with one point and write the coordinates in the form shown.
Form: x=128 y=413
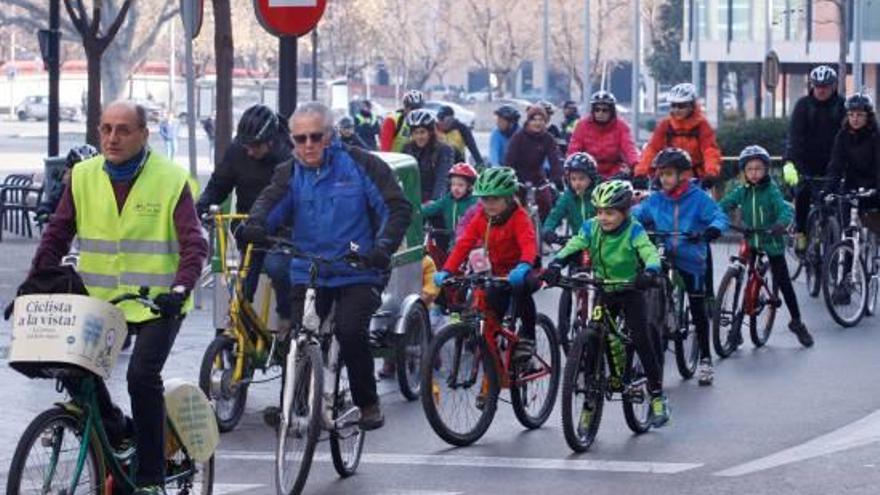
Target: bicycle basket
x=65 y=334
x=871 y=220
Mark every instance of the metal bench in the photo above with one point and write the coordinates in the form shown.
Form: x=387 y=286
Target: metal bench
x=20 y=195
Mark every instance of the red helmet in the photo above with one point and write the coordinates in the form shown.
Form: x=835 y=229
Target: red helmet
x=464 y=170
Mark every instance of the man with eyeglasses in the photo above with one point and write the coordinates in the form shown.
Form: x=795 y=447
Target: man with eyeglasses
x=133 y=212
x=332 y=196
x=605 y=137
x=261 y=143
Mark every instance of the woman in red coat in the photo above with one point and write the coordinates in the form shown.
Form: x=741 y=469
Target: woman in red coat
x=605 y=137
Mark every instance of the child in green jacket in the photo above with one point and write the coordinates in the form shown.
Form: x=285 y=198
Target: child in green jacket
x=763 y=207
x=574 y=205
x=621 y=252
x=453 y=205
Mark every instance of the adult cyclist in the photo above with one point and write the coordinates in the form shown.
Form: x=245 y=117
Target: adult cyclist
x=506 y=125
x=457 y=134
x=395 y=132
x=605 y=137
x=434 y=157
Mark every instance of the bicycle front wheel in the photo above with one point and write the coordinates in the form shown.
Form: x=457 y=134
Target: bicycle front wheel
x=535 y=384
x=583 y=394
x=459 y=385
x=794 y=262
x=298 y=433
x=845 y=285
x=564 y=320
x=728 y=317
x=761 y=323
x=346 y=438
x=45 y=460
x=410 y=349
x=687 y=348
x=215 y=380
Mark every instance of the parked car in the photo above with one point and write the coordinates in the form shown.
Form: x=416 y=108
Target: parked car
x=155 y=111
x=461 y=113
x=37 y=107
x=477 y=96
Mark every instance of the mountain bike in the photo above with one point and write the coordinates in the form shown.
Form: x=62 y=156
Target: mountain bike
x=823 y=230
x=569 y=300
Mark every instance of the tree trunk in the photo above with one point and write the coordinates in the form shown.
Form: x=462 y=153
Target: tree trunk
x=93 y=115
x=844 y=45
x=225 y=51
x=114 y=75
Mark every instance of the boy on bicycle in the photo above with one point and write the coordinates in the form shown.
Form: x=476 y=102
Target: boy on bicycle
x=457 y=200
x=683 y=207
x=762 y=207
x=621 y=252
x=574 y=205
x=502 y=230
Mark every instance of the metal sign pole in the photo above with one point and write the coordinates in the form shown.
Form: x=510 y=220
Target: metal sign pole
x=188 y=19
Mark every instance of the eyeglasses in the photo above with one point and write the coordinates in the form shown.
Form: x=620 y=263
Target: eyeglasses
x=315 y=137
x=601 y=110
x=121 y=130
x=680 y=106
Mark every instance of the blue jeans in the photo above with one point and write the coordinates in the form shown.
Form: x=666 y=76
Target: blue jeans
x=277 y=266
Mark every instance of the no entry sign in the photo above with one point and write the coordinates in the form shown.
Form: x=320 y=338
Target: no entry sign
x=289 y=17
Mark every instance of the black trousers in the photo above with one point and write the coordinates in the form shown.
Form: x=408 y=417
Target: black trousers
x=697 y=298
x=146 y=390
x=523 y=307
x=802 y=201
x=781 y=279
x=355 y=305
x=632 y=304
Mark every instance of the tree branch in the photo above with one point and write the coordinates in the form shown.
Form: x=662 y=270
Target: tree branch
x=117 y=23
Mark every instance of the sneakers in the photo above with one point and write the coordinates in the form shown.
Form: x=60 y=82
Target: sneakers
x=120 y=431
x=659 y=410
x=705 y=372
x=371 y=418
x=524 y=350
x=150 y=490
x=800 y=330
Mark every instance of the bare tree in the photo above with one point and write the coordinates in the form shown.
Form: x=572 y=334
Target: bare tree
x=347 y=38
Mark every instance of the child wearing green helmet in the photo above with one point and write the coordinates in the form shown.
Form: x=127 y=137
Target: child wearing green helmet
x=501 y=228
x=621 y=251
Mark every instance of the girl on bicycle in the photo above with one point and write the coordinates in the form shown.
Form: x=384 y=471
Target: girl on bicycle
x=502 y=230
x=529 y=150
x=457 y=200
x=683 y=207
x=574 y=205
x=762 y=207
x=621 y=252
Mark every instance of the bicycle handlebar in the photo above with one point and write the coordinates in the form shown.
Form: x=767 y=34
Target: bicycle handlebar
x=584 y=280
x=476 y=279
x=141 y=297
x=352 y=258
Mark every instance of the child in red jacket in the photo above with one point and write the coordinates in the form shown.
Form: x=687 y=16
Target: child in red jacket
x=503 y=229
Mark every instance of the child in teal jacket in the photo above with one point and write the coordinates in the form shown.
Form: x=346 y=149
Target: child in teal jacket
x=574 y=205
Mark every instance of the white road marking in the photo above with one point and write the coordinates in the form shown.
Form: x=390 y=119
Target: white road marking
x=491 y=462
x=230 y=488
x=858 y=434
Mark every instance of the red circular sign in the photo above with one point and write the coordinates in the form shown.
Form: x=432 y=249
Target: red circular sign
x=289 y=17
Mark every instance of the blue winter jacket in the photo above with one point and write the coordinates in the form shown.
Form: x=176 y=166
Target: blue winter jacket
x=339 y=204
x=694 y=211
x=498 y=146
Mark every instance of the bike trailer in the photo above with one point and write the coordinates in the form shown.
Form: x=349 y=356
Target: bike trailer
x=65 y=334
x=191 y=416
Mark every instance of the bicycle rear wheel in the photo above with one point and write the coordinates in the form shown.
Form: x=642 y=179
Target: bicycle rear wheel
x=534 y=387
x=215 y=380
x=411 y=347
x=583 y=395
x=794 y=262
x=346 y=439
x=845 y=285
x=728 y=317
x=45 y=459
x=460 y=385
x=687 y=348
x=636 y=398
x=761 y=323
x=298 y=434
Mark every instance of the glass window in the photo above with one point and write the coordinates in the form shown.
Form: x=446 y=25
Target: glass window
x=871 y=20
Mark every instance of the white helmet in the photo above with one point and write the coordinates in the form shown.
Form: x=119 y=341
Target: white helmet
x=682 y=93
x=413 y=99
x=823 y=76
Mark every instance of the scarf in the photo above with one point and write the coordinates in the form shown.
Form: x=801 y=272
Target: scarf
x=127 y=170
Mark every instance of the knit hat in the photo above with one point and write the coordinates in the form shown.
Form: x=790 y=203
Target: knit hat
x=536 y=110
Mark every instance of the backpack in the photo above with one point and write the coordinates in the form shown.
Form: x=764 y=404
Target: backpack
x=671 y=133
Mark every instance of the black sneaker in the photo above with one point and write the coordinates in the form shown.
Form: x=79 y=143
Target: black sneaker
x=800 y=330
x=524 y=350
x=371 y=418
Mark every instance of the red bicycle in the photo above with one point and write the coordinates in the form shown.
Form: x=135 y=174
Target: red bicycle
x=745 y=292
x=471 y=360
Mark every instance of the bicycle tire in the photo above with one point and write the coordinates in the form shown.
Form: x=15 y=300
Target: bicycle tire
x=638 y=421
x=761 y=333
x=563 y=319
x=309 y=373
x=829 y=273
x=224 y=395
x=485 y=401
x=872 y=267
x=818 y=248
x=727 y=319
x=410 y=349
x=519 y=395
x=687 y=348
x=584 y=358
x=346 y=445
x=94 y=462
x=793 y=261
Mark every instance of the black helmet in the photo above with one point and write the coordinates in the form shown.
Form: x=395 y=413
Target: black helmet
x=79 y=153
x=860 y=101
x=445 y=111
x=258 y=124
x=345 y=122
x=823 y=76
x=508 y=113
x=413 y=99
x=582 y=162
x=672 y=157
x=750 y=153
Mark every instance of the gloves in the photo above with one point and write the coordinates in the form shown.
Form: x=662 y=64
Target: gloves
x=440 y=277
x=254 y=233
x=170 y=303
x=646 y=280
x=711 y=234
x=709 y=181
x=790 y=174
x=517 y=276
x=550 y=237
x=552 y=273
x=377 y=258
x=778 y=229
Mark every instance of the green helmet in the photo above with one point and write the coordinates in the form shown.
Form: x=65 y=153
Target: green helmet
x=496 y=181
x=616 y=194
